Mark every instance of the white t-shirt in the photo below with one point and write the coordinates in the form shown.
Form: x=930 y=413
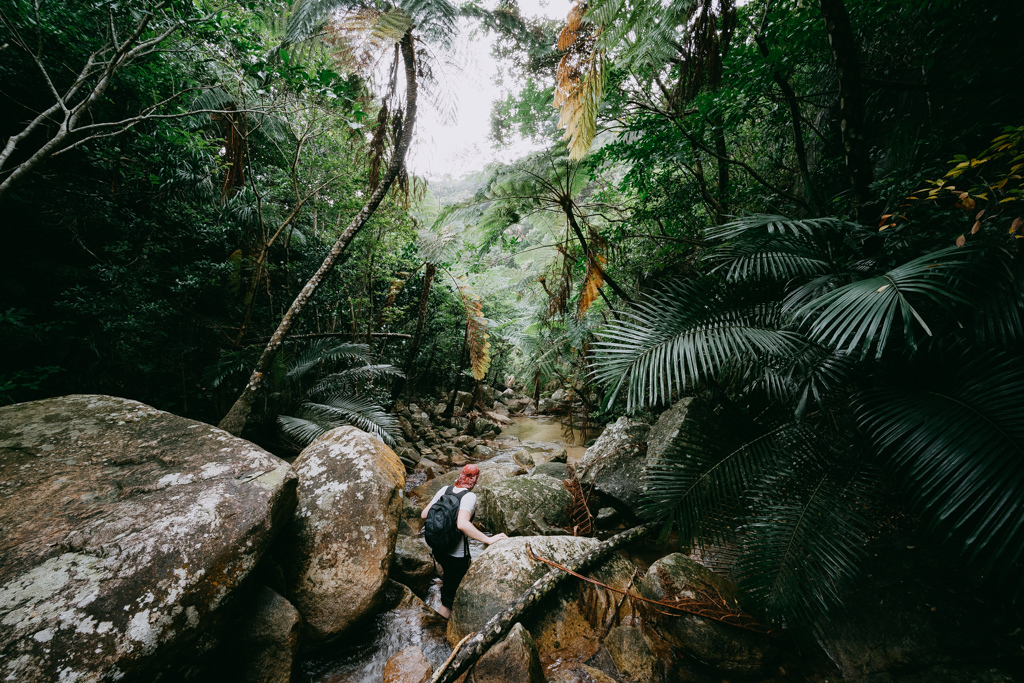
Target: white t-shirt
x=468 y=502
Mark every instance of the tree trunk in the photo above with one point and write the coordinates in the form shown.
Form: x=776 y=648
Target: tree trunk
x=851 y=99
x=794 y=117
x=234 y=421
x=421 y=319
x=500 y=624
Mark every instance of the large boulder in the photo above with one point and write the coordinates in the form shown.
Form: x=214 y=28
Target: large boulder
x=667 y=428
x=125 y=530
x=614 y=465
x=412 y=564
x=343 y=533
x=566 y=621
x=724 y=647
x=524 y=506
x=514 y=659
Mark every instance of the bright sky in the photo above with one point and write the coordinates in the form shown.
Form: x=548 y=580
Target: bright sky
x=461 y=147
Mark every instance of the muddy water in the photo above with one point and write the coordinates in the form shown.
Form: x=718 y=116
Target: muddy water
x=547 y=429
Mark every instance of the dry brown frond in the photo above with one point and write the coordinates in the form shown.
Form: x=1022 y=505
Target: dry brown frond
x=477 y=336
x=580 y=82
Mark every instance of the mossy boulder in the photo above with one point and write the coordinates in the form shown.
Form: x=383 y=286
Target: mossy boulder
x=524 y=506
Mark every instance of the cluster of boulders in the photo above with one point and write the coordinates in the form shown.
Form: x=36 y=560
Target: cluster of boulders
x=436 y=439
x=143 y=546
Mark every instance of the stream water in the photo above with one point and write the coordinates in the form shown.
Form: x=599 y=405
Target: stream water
x=403 y=622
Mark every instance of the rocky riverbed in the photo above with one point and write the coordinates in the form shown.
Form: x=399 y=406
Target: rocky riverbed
x=142 y=546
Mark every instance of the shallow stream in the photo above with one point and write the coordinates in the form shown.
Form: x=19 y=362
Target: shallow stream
x=400 y=624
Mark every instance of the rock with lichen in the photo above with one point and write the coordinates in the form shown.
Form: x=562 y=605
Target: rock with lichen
x=125 y=530
x=342 y=536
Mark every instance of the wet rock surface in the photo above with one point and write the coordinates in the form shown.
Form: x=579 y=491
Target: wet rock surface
x=514 y=659
x=723 y=647
x=614 y=465
x=565 y=621
x=343 y=532
x=124 y=530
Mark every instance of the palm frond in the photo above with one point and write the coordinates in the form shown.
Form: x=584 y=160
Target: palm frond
x=672 y=340
x=866 y=313
x=300 y=431
x=325 y=350
x=953 y=427
x=804 y=537
x=346 y=379
x=700 y=481
x=343 y=409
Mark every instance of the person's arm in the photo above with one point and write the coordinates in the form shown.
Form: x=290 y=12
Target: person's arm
x=467 y=527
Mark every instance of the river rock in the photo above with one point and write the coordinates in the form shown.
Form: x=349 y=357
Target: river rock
x=725 y=648
x=125 y=529
x=564 y=622
x=667 y=428
x=269 y=639
x=524 y=506
x=614 y=465
x=463 y=401
x=632 y=653
x=514 y=659
x=575 y=672
x=408 y=666
x=492 y=471
x=344 y=529
x=557 y=470
x=412 y=564
x=545 y=451
x=521 y=456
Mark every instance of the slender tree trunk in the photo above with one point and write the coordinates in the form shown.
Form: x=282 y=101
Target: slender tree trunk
x=417 y=337
x=851 y=100
x=567 y=208
x=794 y=117
x=234 y=421
x=500 y=624
x=722 y=209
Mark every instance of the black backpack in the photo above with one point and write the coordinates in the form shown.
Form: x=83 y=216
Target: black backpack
x=441 y=530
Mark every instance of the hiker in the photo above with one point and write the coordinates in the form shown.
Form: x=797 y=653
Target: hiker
x=455 y=563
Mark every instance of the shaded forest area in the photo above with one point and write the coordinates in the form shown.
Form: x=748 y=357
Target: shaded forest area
x=803 y=214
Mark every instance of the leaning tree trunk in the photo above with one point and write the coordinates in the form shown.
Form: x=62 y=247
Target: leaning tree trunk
x=851 y=99
x=500 y=624
x=234 y=421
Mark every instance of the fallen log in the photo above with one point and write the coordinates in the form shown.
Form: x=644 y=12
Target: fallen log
x=478 y=643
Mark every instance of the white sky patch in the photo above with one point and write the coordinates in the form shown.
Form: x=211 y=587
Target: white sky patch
x=467 y=79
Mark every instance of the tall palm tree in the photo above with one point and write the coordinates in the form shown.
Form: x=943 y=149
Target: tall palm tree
x=824 y=355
